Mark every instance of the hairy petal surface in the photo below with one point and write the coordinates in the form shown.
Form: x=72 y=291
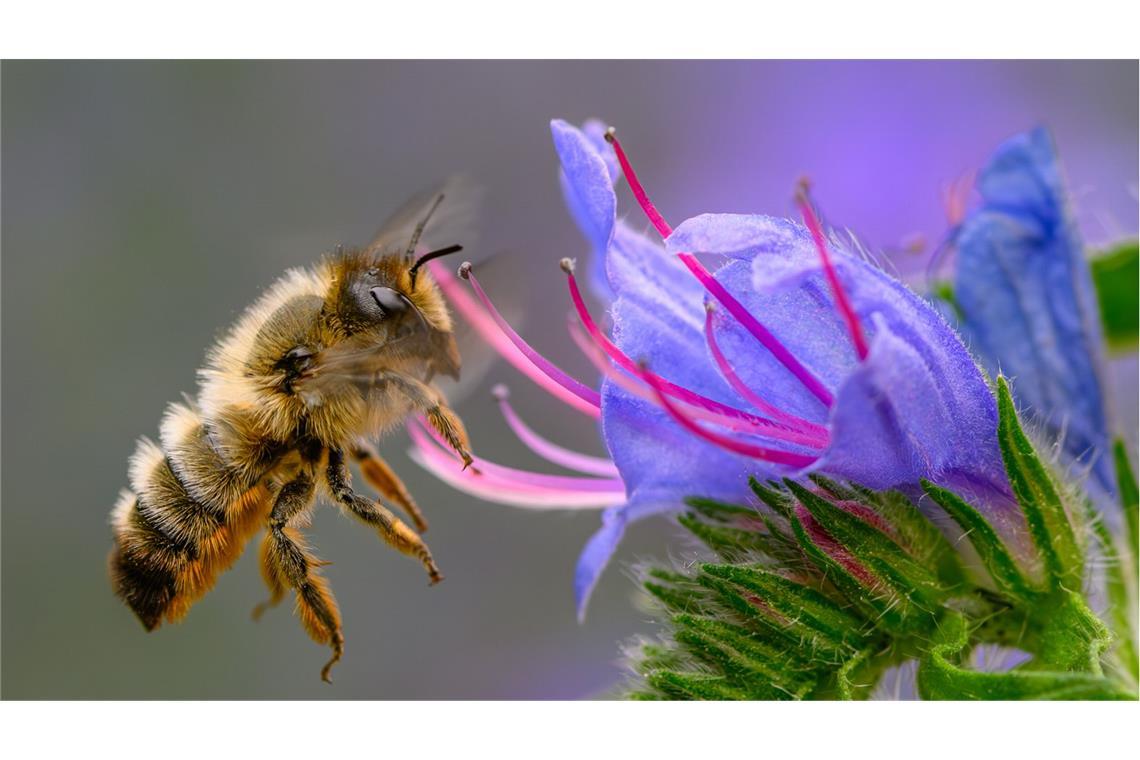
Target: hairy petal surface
x=917 y=407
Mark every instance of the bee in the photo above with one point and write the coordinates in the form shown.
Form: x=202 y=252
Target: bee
x=328 y=359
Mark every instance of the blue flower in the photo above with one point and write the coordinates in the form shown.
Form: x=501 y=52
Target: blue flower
x=794 y=356
x=1026 y=302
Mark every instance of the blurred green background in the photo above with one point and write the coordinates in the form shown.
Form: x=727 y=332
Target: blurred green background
x=145 y=204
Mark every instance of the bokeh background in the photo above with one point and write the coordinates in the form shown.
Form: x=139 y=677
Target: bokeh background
x=145 y=204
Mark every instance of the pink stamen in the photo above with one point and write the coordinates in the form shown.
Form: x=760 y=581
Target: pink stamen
x=639 y=193
x=519 y=477
x=753 y=325
x=790 y=420
x=729 y=444
x=535 y=366
x=487 y=329
x=509 y=486
x=758 y=331
x=711 y=410
x=841 y=300
x=549 y=451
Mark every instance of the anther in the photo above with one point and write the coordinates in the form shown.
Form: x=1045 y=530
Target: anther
x=464 y=270
x=567 y=265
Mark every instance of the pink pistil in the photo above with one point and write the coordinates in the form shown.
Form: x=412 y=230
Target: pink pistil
x=729 y=444
x=538 y=367
x=841 y=300
x=549 y=451
x=790 y=420
x=711 y=410
x=742 y=315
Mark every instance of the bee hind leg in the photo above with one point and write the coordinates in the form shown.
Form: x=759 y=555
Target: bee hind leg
x=287 y=562
x=391 y=528
x=381 y=477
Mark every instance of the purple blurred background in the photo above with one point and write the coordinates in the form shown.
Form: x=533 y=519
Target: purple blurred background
x=146 y=203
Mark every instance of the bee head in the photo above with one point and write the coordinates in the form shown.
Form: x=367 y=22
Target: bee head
x=388 y=296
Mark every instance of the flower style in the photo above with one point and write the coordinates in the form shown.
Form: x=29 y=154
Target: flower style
x=1026 y=304
x=794 y=355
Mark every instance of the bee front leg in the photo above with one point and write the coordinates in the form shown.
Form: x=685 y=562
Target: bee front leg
x=381 y=477
x=288 y=563
x=392 y=530
x=430 y=402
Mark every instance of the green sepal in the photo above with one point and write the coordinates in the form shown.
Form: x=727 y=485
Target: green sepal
x=778 y=502
x=1040 y=501
x=941 y=677
x=876 y=551
x=1121 y=592
x=694 y=686
x=880 y=605
x=676 y=592
x=1129 y=496
x=804 y=613
x=729 y=543
x=748 y=662
x=998 y=561
x=1115 y=274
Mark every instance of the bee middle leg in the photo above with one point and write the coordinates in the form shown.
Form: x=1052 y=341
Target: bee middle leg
x=381 y=477
x=392 y=530
x=287 y=562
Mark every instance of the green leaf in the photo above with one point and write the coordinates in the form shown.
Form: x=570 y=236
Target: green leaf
x=1129 y=497
x=1115 y=275
x=1040 y=501
x=994 y=555
x=940 y=677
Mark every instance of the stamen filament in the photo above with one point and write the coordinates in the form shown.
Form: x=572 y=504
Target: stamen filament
x=841 y=300
x=549 y=451
x=575 y=393
x=729 y=444
x=753 y=325
x=639 y=193
x=790 y=420
x=591 y=491
x=713 y=410
x=759 y=331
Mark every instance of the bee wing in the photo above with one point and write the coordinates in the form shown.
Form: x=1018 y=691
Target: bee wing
x=449 y=210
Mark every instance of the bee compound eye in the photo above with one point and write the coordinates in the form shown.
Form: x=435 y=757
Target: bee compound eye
x=389 y=300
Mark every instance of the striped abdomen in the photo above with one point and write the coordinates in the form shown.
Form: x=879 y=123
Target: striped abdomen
x=186 y=519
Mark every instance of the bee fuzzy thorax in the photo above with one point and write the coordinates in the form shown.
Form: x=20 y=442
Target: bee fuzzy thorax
x=327 y=358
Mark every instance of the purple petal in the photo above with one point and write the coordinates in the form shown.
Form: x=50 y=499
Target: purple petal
x=1027 y=302
x=586 y=184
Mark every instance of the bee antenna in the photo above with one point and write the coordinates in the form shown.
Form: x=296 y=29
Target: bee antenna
x=429 y=256
x=419 y=230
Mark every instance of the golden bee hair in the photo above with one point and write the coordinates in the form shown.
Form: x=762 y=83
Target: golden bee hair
x=328 y=358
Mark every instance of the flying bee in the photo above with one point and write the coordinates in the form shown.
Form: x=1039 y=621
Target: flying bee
x=327 y=359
